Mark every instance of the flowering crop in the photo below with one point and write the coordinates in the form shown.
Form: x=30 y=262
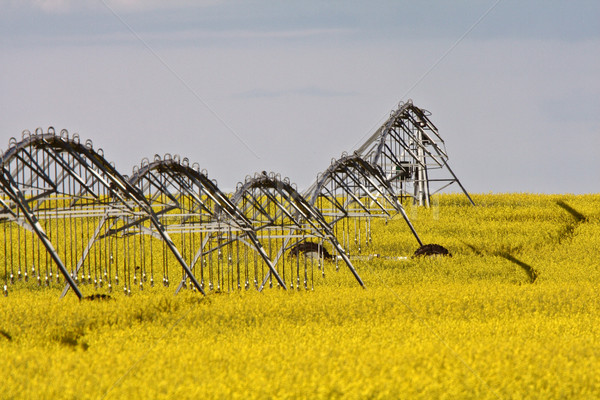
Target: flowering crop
x=467 y=326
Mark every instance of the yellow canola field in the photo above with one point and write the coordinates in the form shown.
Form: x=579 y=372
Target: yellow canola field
x=470 y=326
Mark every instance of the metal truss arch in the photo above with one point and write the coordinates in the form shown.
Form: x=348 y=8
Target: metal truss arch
x=46 y=177
x=354 y=188
x=66 y=209
x=277 y=209
x=188 y=203
x=175 y=178
x=412 y=154
x=59 y=188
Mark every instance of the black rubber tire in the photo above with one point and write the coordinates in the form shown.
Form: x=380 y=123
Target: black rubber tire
x=310 y=247
x=431 y=250
x=98 y=296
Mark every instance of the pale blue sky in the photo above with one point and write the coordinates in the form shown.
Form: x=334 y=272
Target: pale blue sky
x=517 y=100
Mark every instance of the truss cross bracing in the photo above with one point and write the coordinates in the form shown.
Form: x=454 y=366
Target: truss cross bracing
x=354 y=189
x=412 y=155
x=203 y=223
x=66 y=195
x=283 y=218
x=68 y=216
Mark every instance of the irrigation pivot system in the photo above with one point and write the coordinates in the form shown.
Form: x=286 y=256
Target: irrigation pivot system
x=412 y=155
x=61 y=195
x=284 y=218
x=351 y=192
x=68 y=217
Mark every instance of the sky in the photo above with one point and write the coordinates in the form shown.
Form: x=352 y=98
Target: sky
x=246 y=86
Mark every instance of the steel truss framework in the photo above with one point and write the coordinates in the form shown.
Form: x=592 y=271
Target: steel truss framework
x=58 y=189
x=65 y=210
x=283 y=218
x=351 y=192
x=412 y=155
x=203 y=222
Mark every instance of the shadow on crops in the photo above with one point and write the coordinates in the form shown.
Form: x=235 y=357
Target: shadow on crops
x=475 y=249
x=579 y=217
x=72 y=338
x=570 y=228
x=529 y=270
x=6 y=335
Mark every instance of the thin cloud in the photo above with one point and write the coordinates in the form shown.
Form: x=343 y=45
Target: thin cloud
x=280 y=34
x=201 y=34
x=70 y=6
x=188 y=36
x=147 y=5
x=309 y=91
